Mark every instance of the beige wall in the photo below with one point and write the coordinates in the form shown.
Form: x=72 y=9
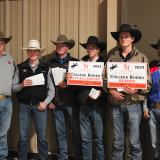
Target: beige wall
x=44 y=20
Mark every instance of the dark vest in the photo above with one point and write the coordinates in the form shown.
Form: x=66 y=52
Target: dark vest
x=34 y=94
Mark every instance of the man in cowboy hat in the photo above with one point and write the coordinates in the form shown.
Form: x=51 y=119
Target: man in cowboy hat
x=33 y=99
x=154 y=104
x=92 y=111
x=7 y=69
x=65 y=102
x=125 y=105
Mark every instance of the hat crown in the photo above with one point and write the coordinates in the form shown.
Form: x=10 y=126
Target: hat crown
x=158 y=42
x=125 y=28
x=92 y=40
x=62 y=38
x=1 y=35
x=33 y=44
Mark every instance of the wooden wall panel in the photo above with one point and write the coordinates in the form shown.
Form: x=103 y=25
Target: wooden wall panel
x=44 y=20
x=2 y=15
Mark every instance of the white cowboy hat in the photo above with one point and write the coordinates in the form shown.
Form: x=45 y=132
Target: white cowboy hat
x=34 y=44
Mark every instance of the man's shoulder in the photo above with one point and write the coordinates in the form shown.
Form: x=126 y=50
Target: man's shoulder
x=115 y=56
x=8 y=56
x=73 y=59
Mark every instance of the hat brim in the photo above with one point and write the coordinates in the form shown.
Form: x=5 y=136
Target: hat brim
x=7 y=39
x=134 y=32
x=155 y=46
x=100 y=45
x=41 y=49
x=70 y=43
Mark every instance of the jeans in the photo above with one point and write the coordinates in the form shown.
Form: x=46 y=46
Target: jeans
x=5 y=121
x=25 y=113
x=92 y=117
x=59 y=114
x=154 y=124
x=131 y=114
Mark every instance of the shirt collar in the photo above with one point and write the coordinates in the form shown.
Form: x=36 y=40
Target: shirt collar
x=3 y=53
x=34 y=66
x=93 y=60
x=62 y=60
x=127 y=57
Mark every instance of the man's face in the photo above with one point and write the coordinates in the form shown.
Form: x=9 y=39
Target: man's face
x=125 y=39
x=33 y=54
x=159 y=50
x=2 y=45
x=61 y=49
x=92 y=50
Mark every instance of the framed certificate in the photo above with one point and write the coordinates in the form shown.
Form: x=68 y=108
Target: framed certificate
x=132 y=74
x=86 y=73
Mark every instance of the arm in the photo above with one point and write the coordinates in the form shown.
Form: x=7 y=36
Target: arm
x=145 y=109
x=50 y=93
x=16 y=87
x=15 y=82
x=149 y=79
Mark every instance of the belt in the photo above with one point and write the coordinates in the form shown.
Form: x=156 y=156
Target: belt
x=3 y=97
x=157 y=105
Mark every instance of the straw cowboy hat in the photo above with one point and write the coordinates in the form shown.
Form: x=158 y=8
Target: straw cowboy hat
x=5 y=39
x=63 y=39
x=94 y=40
x=155 y=46
x=127 y=28
x=34 y=44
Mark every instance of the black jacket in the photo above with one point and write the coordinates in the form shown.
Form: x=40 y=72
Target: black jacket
x=34 y=94
x=63 y=96
x=84 y=100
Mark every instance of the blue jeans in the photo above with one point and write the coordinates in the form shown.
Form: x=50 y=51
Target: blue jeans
x=154 y=124
x=5 y=121
x=92 y=117
x=59 y=114
x=131 y=114
x=25 y=113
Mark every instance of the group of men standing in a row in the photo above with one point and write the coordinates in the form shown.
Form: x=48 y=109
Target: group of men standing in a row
x=83 y=111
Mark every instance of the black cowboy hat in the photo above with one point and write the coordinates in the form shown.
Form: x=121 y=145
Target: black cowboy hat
x=94 y=40
x=63 y=39
x=155 y=46
x=127 y=28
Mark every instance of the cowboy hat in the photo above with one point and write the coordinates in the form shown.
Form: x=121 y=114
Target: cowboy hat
x=94 y=40
x=155 y=46
x=5 y=39
x=34 y=44
x=127 y=28
x=63 y=39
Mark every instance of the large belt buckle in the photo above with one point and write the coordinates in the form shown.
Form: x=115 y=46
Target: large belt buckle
x=157 y=105
x=2 y=97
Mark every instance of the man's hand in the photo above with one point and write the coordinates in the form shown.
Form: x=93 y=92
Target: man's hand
x=52 y=106
x=97 y=96
x=130 y=90
x=63 y=84
x=146 y=115
x=26 y=83
x=68 y=76
x=42 y=106
x=118 y=95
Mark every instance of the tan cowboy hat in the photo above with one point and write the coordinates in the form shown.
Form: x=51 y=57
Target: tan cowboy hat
x=34 y=44
x=63 y=39
x=5 y=39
